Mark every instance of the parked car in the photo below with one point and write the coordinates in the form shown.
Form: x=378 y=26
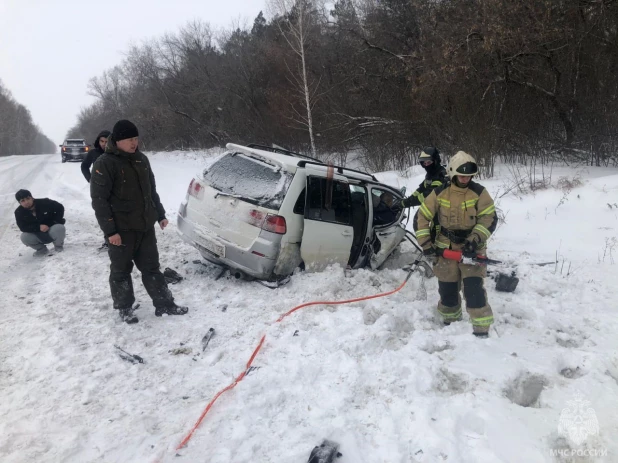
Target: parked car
x=74 y=149
x=263 y=212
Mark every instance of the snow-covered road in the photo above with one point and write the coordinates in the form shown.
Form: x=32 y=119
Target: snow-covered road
x=381 y=377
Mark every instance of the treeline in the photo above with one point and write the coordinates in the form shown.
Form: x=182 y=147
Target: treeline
x=18 y=134
x=518 y=79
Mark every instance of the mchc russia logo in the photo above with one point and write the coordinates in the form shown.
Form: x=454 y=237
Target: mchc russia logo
x=578 y=421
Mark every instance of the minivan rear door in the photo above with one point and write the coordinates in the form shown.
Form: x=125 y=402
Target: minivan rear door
x=235 y=195
x=328 y=233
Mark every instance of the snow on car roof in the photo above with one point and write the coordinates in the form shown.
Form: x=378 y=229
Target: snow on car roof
x=289 y=162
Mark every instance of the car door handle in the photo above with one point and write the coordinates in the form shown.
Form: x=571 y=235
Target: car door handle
x=386 y=234
x=346 y=233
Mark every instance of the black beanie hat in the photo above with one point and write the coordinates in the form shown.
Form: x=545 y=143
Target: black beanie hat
x=21 y=194
x=124 y=129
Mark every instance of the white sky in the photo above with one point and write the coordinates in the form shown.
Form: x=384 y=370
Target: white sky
x=49 y=49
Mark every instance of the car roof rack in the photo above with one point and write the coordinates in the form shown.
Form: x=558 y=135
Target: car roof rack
x=272 y=149
x=340 y=170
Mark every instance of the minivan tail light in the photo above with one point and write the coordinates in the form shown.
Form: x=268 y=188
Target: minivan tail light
x=195 y=189
x=256 y=218
x=275 y=224
x=267 y=222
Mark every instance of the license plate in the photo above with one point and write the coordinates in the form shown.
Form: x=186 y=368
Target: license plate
x=214 y=248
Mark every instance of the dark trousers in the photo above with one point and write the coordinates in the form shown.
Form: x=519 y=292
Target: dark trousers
x=141 y=248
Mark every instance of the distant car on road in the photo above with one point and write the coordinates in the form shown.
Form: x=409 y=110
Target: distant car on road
x=262 y=212
x=74 y=149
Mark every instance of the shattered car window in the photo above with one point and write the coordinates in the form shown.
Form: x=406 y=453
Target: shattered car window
x=250 y=179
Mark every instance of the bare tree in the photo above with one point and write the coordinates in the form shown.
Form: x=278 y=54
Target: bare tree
x=295 y=25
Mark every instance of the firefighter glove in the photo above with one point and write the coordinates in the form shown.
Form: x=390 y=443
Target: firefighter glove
x=469 y=249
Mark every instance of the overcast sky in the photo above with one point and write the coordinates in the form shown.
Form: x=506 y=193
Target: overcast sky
x=49 y=49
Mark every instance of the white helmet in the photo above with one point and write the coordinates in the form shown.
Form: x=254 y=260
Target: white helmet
x=462 y=164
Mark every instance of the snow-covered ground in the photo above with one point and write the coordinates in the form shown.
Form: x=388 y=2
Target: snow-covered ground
x=381 y=377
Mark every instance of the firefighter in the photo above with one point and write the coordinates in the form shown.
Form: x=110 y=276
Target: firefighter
x=465 y=215
x=435 y=177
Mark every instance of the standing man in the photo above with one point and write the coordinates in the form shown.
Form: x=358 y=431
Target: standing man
x=126 y=204
x=466 y=214
x=41 y=222
x=435 y=177
x=99 y=149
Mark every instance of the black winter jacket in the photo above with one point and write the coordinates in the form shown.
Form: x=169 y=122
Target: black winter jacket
x=432 y=181
x=93 y=155
x=48 y=212
x=123 y=191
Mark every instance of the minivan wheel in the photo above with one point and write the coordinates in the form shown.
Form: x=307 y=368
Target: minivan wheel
x=64 y=159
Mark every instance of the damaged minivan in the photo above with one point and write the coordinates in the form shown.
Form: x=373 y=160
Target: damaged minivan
x=263 y=212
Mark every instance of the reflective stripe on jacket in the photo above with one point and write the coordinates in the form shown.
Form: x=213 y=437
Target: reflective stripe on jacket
x=465 y=211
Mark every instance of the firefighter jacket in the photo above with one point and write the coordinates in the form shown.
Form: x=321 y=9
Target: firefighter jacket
x=460 y=215
x=432 y=181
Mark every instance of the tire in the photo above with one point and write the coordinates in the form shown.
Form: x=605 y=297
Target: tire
x=64 y=159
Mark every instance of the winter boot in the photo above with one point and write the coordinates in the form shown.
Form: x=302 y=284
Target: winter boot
x=173 y=310
x=480 y=335
x=58 y=248
x=127 y=315
x=41 y=252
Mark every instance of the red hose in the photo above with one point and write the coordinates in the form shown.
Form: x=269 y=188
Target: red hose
x=241 y=376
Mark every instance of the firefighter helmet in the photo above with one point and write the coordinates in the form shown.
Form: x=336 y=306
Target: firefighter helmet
x=462 y=164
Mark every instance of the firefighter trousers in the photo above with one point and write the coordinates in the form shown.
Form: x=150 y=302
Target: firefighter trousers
x=451 y=275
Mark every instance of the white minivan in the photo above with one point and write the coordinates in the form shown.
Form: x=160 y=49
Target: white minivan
x=263 y=212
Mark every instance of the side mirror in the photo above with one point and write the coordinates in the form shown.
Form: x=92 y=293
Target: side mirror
x=403 y=191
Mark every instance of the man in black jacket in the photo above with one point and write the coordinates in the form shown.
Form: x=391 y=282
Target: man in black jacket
x=41 y=222
x=99 y=149
x=127 y=205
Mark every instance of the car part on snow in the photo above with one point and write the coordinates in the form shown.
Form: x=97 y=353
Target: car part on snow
x=275 y=284
x=506 y=283
x=124 y=355
x=127 y=315
x=250 y=369
x=207 y=337
x=326 y=452
x=171 y=276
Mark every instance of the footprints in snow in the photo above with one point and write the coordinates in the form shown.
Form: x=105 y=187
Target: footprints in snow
x=525 y=390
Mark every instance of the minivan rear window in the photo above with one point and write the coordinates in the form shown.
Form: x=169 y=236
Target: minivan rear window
x=250 y=179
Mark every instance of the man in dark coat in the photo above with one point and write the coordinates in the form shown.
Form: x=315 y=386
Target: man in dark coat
x=127 y=205
x=93 y=155
x=41 y=222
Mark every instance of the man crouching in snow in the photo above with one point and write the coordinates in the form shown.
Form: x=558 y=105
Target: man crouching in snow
x=41 y=222
x=127 y=205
